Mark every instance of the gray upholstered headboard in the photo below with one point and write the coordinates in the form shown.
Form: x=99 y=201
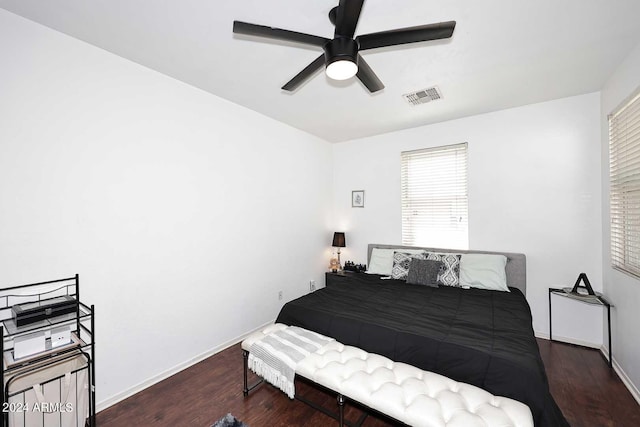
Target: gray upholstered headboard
x=516 y=263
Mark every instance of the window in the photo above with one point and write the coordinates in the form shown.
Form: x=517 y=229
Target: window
x=624 y=169
x=434 y=197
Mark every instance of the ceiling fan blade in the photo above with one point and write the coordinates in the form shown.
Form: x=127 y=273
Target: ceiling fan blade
x=305 y=74
x=442 y=30
x=347 y=17
x=367 y=76
x=240 y=27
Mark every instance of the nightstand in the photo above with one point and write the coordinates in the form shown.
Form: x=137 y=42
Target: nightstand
x=338 y=278
x=597 y=299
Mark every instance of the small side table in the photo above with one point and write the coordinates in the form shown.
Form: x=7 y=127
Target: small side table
x=597 y=299
x=340 y=277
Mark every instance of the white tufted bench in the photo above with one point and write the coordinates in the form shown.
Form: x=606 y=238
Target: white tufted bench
x=403 y=392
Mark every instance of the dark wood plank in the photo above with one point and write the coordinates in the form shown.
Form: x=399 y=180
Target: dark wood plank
x=587 y=391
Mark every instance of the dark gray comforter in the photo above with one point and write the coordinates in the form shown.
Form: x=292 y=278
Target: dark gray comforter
x=480 y=337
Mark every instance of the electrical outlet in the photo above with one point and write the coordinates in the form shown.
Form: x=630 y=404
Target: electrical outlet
x=279 y=295
x=312 y=285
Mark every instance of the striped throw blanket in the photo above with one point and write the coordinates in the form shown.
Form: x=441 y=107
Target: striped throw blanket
x=276 y=356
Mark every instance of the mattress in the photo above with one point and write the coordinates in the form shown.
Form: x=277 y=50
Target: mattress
x=479 y=337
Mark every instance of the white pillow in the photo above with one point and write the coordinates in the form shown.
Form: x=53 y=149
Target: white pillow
x=381 y=261
x=484 y=271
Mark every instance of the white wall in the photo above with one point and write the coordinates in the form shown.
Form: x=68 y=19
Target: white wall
x=183 y=214
x=534 y=188
x=622 y=290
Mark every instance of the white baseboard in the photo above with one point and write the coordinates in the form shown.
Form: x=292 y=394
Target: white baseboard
x=174 y=370
x=623 y=376
x=569 y=340
x=616 y=367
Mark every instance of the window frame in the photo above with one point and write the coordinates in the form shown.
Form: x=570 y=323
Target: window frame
x=435 y=208
x=624 y=186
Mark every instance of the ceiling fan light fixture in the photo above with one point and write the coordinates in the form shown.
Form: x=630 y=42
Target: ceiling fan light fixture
x=342 y=69
x=341 y=57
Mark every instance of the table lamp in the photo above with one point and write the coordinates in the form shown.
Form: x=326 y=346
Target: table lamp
x=338 y=242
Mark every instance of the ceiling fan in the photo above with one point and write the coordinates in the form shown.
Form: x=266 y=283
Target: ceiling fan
x=341 y=55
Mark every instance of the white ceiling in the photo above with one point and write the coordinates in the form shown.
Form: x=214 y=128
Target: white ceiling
x=504 y=53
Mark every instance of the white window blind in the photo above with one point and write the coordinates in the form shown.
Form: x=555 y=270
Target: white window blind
x=624 y=167
x=434 y=197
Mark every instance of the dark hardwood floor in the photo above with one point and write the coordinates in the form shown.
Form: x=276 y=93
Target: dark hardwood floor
x=588 y=393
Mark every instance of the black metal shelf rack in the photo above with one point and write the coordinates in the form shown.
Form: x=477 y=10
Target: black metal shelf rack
x=82 y=325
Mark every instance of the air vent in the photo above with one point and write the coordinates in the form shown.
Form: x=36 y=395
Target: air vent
x=423 y=96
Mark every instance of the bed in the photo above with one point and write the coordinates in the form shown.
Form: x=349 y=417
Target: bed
x=481 y=337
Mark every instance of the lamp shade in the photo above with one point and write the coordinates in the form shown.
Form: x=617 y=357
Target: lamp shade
x=338 y=240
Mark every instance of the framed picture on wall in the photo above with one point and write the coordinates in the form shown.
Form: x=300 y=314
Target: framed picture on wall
x=357 y=199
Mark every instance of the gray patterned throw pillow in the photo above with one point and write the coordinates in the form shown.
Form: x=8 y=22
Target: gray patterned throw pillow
x=450 y=275
x=401 y=262
x=424 y=272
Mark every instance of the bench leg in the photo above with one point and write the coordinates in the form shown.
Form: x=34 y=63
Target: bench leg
x=341 y=410
x=245 y=359
x=246 y=388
